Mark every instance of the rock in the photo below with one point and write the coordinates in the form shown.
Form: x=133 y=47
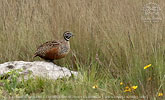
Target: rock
x=37 y=68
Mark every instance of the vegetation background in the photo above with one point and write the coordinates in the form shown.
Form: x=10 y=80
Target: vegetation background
x=112 y=45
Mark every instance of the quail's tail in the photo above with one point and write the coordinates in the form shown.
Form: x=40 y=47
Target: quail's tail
x=35 y=55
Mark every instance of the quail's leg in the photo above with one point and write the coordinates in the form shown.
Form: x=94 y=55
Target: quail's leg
x=51 y=61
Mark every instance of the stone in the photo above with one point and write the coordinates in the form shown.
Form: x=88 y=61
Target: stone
x=37 y=68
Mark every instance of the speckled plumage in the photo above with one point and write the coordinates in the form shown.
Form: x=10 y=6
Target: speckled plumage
x=53 y=50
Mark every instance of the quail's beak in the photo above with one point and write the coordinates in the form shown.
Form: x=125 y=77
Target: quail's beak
x=73 y=35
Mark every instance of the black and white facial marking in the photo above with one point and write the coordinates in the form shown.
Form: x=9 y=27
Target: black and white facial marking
x=67 y=35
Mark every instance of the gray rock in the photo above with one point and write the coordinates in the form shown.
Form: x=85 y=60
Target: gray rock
x=37 y=68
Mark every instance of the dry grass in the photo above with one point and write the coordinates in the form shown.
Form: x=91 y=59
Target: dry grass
x=111 y=42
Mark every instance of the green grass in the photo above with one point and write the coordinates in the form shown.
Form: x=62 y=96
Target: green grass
x=112 y=45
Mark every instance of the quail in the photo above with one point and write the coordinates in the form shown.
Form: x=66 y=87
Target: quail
x=54 y=50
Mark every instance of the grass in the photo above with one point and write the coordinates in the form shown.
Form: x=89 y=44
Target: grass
x=112 y=45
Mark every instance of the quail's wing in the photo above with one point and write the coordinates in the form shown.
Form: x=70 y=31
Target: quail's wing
x=49 y=43
x=44 y=48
